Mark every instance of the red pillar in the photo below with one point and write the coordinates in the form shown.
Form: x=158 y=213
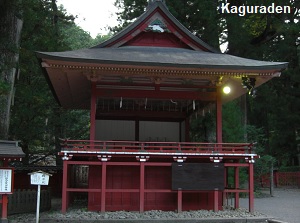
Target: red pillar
x=142 y=186
x=236 y=186
x=251 y=188
x=64 y=198
x=219 y=115
x=93 y=111
x=103 y=186
x=4 y=199
x=179 y=201
x=219 y=135
x=4 y=208
x=216 y=200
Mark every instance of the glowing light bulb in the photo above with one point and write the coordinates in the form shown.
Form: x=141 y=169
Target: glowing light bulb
x=226 y=90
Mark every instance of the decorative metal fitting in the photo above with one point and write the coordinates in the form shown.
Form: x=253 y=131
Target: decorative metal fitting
x=104 y=158
x=250 y=159
x=142 y=158
x=179 y=159
x=216 y=159
x=67 y=156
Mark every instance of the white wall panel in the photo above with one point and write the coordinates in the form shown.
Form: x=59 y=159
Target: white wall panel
x=159 y=131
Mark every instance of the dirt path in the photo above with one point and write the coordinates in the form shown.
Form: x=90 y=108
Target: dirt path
x=284 y=206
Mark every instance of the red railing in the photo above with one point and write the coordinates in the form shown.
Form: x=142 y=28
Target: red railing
x=168 y=147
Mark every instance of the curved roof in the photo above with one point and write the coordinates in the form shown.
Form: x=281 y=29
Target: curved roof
x=162 y=56
x=155 y=49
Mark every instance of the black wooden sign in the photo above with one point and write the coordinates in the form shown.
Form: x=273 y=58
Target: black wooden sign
x=197 y=176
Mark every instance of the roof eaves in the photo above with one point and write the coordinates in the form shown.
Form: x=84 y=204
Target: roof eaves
x=40 y=56
x=276 y=66
x=10 y=149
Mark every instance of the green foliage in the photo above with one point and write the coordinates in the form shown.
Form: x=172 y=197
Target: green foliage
x=273 y=116
x=203 y=128
x=243 y=177
x=37 y=120
x=4 y=88
x=233 y=126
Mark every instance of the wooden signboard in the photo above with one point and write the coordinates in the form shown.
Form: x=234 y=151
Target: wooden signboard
x=6 y=180
x=39 y=178
x=198 y=176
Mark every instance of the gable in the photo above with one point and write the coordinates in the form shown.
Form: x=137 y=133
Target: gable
x=157 y=27
x=157 y=39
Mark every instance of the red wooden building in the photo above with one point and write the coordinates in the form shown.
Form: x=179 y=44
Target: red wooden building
x=9 y=152
x=142 y=86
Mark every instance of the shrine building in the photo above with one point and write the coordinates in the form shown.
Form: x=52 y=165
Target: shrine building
x=142 y=86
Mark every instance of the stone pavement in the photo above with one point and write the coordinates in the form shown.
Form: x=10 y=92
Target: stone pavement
x=283 y=206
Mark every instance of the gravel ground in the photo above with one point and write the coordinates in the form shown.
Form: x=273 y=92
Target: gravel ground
x=77 y=213
x=82 y=214
x=285 y=206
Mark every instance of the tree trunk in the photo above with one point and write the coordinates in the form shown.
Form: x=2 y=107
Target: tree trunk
x=10 y=29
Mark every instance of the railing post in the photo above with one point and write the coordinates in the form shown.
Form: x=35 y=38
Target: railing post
x=142 y=146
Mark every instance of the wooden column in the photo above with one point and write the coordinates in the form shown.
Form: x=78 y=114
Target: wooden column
x=216 y=200
x=103 y=186
x=236 y=186
x=251 y=188
x=4 y=208
x=179 y=201
x=4 y=199
x=219 y=135
x=93 y=111
x=65 y=196
x=142 y=186
x=219 y=115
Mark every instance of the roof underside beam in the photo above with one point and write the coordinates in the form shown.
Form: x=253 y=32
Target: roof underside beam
x=142 y=115
x=156 y=94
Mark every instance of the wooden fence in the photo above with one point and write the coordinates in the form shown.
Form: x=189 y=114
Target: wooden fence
x=287 y=178
x=23 y=201
x=282 y=179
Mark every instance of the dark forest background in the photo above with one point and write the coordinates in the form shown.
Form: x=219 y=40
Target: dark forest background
x=29 y=113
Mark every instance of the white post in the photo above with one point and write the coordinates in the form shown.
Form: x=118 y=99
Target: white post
x=38 y=204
